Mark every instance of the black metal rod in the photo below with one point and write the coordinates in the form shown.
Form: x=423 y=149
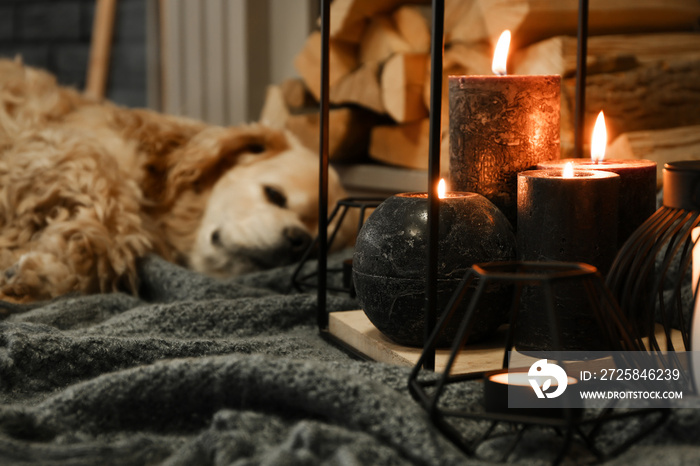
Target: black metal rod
x=581 y=56
x=322 y=315
x=437 y=47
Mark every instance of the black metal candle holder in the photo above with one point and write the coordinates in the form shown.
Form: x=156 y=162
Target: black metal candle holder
x=420 y=382
x=544 y=277
x=321 y=243
x=437 y=50
x=339 y=214
x=651 y=274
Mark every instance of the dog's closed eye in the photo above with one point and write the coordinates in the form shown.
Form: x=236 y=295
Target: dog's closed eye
x=256 y=148
x=275 y=196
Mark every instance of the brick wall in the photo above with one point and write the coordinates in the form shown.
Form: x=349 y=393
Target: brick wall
x=55 y=35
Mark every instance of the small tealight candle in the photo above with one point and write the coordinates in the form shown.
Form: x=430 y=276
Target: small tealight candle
x=515 y=384
x=637 y=181
x=511 y=378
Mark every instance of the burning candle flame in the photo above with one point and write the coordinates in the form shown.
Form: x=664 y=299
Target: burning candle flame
x=500 y=55
x=441 y=189
x=568 y=171
x=599 y=139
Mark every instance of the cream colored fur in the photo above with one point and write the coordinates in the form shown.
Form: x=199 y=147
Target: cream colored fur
x=87 y=188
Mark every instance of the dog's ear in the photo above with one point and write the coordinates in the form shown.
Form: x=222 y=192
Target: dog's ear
x=241 y=146
x=198 y=164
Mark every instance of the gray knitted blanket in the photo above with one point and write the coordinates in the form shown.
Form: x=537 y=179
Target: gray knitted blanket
x=199 y=371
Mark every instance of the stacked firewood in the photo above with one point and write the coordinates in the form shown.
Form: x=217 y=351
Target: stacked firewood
x=643 y=71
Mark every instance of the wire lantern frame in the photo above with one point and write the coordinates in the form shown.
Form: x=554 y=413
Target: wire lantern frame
x=570 y=424
x=437 y=50
x=339 y=215
x=435 y=131
x=652 y=271
x=544 y=276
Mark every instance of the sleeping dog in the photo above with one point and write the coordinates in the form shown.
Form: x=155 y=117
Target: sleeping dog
x=87 y=188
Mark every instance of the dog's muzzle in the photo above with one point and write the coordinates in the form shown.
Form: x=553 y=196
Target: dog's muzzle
x=298 y=241
x=292 y=245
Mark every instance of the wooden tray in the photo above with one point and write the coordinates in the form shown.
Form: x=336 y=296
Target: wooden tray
x=354 y=329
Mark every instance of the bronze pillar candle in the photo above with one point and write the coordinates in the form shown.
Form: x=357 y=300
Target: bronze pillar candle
x=500 y=126
x=571 y=219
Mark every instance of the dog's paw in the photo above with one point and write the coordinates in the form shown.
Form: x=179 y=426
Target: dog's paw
x=35 y=276
x=10 y=272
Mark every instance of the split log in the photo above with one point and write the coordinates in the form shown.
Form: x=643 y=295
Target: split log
x=606 y=54
x=464 y=22
x=296 y=95
x=349 y=132
x=459 y=59
x=615 y=56
x=408 y=145
x=349 y=128
x=658 y=96
x=275 y=111
x=402 y=82
x=349 y=17
x=661 y=146
x=361 y=87
x=381 y=40
x=534 y=20
x=413 y=23
x=474 y=58
x=343 y=60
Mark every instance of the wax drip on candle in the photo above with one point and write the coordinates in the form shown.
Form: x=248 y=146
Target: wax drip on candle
x=599 y=139
x=500 y=55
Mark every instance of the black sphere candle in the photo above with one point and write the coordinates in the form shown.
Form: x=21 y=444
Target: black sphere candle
x=389 y=263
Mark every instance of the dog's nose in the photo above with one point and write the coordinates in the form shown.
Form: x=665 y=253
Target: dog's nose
x=216 y=238
x=298 y=239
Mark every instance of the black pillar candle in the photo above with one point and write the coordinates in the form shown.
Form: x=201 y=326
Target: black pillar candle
x=637 y=181
x=637 y=189
x=571 y=219
x=389 y=262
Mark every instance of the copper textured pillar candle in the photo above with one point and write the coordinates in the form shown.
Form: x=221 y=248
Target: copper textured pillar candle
x=572 y=219
x=500 y=126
